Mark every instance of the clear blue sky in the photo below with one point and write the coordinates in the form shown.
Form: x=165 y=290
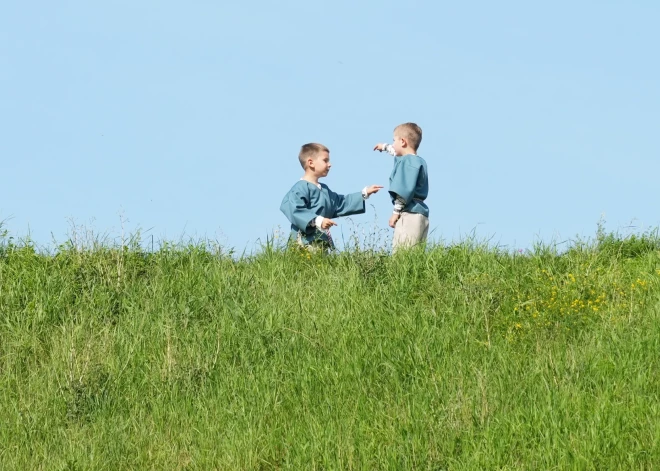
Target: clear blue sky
x=187 y=117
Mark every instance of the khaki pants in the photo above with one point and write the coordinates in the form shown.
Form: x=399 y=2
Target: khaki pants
x=411 y=229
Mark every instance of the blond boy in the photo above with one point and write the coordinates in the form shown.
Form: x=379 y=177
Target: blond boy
x=310 y=206
x=409 y=187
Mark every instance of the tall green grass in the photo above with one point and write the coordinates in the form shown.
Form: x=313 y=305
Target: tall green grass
x=462 y=356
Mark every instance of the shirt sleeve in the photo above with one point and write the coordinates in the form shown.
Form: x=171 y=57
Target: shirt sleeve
x=403 y=182
x=399 y=204
x=295 y=207
x=389 y=148
x=345 y=205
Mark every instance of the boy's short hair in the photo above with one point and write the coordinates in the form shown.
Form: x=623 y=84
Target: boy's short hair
x=411 y=133
x=310 y=151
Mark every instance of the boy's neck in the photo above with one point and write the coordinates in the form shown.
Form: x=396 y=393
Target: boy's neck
x=408 y=152
x=311 y=178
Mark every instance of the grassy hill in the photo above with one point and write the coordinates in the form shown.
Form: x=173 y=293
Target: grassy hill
x=460 y=357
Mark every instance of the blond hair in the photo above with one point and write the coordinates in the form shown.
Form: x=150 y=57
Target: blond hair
x=310 y=151
x=411 y=133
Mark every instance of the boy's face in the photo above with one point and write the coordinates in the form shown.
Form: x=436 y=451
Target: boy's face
x=400 y=145
x=320 y=164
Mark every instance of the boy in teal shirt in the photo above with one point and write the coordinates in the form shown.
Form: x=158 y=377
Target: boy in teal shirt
x=409 y=187
x=310 y=205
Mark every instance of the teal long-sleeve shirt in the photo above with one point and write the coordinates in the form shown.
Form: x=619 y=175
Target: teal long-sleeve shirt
x=305 y=201
x=409 y=180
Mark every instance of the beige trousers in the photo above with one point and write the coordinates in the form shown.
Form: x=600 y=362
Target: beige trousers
x=411 y=229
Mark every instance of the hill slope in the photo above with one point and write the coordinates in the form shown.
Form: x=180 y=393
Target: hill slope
x=461 y=357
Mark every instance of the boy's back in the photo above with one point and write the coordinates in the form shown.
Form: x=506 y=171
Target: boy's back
x=409 y=180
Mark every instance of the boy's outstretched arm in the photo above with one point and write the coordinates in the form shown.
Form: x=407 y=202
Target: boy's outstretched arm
x=370 y=190
x=353 y=203
x=385 y=148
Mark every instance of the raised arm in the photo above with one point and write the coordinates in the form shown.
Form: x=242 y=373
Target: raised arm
x=353 y=203
x=385 y=148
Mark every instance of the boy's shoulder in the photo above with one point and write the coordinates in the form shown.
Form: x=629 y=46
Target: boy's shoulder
x=303 y=186
x=413 y=160
x=300 y=185
x=295 y=189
